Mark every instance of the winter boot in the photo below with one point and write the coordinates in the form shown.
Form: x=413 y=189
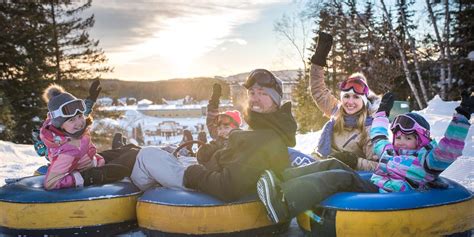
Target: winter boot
x=269 y=192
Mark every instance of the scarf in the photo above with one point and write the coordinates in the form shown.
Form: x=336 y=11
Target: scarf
x=325 y=141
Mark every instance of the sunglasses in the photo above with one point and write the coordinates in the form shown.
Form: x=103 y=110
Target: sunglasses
x=358 y=85
x=263 y=78
x=408 y=124
x=69 y=109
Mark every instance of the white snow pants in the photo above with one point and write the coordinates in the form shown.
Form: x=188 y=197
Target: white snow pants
x=156 y=166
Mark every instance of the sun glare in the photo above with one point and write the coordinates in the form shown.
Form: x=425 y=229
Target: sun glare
x=181 y=41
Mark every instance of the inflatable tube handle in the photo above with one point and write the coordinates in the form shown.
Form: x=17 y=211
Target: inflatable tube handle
x=314 y=217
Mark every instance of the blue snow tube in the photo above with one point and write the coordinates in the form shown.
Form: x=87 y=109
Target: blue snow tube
x=26 y=209
x=162 y=211
x=421 y=213
x=41 y=170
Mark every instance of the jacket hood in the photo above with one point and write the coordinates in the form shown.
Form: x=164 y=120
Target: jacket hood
x=280 y=121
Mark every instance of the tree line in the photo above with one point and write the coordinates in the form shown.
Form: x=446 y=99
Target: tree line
x=385 y=43
x=41 y=42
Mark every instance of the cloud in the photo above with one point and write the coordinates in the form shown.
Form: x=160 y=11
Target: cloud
x=179 y=31
x=238 y=41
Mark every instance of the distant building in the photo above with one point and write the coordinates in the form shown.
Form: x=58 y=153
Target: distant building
x=171 y=110
x=144 y=103
x=169 y=128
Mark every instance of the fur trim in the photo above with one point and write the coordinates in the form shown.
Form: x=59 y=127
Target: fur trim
x=52 y=91
x=373 y=103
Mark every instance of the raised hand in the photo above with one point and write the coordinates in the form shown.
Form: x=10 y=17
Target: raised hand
x=94 y=90
x=322 y=49
x=387 y=103
x=216 y=95
x=466 y=107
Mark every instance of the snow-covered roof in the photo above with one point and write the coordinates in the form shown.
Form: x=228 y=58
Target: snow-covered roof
x=144 y=102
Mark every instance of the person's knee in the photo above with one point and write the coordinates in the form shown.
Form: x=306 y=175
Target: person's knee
x=151 y=153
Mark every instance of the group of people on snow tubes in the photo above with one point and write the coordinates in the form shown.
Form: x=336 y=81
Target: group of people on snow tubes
x=238 y=162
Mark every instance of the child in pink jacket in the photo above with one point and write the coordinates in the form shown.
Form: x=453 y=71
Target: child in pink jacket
x=66 y=136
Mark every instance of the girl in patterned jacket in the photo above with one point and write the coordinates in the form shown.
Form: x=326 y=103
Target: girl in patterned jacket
x=412 y=162
x=414 y=159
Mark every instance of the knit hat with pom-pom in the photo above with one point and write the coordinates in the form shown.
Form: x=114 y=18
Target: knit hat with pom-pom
x=55 y=96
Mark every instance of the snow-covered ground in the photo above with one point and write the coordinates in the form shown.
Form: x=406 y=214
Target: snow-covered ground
x=21 y=160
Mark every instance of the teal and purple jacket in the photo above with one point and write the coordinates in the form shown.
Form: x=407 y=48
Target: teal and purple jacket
x=413 y=169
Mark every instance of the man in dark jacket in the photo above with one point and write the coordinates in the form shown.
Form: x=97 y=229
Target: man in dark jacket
x=237 y=167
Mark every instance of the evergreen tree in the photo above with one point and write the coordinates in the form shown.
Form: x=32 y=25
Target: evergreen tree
x=24 y=66
x=35 y=36
x=307 y=114
x=6 y=118
x=463 y=45
x=76 y=55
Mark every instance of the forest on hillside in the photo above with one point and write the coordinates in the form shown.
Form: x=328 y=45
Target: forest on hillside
x=197 y=88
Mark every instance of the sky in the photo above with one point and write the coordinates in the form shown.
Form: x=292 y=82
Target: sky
x=148 y=40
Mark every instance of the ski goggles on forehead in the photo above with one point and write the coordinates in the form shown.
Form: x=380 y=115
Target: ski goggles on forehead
x=262 y=78
x=69 y=109
x=358 y=85
x=408 y=124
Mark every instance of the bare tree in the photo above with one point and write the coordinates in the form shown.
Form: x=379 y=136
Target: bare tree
x=442 y=68
x=413 y=51
x=447 y=45
x=296 y=28
x=402 y=56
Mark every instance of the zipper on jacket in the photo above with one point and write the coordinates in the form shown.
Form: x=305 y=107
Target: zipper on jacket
x=349 y=140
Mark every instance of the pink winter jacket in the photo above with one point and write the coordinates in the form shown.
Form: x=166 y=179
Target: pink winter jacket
x=66 y=159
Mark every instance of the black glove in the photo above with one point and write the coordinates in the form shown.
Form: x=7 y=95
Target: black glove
x=467 y=104
x=322 y=49
x=387 y=103
x=108 y=173
x=193 y=175
x=94 y=90
x=216 y=95
x=348 y=158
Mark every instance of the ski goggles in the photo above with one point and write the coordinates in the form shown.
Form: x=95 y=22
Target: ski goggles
x=358 y=85
x=408 y=124
x=263 y=78
x=69 y=109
